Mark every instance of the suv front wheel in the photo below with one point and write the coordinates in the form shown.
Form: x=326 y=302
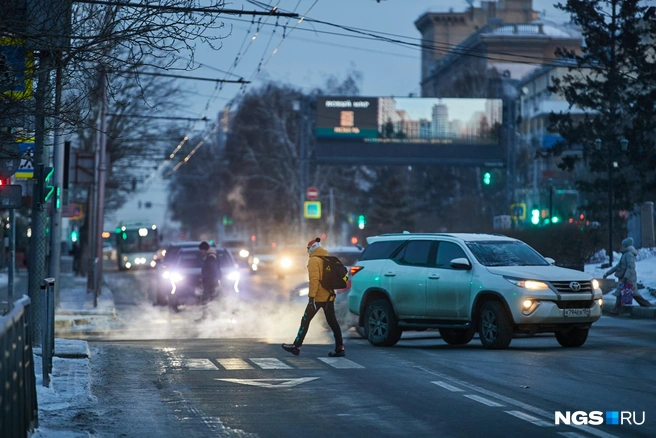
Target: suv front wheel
x=380 y=324
x=572 y=338
x=494 y=326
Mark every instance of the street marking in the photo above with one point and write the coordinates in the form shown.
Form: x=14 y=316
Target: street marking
x=305 y=363
x=234 y=363
x=271 y=383
x=339 y=362
x=198 y=364
x=571 y=434
x=483 y=400
x=511 y=401
x=270 y=363
x=530 y=418
x=449 y=387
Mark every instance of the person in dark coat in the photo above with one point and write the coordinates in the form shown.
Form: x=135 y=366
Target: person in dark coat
x=210 y=273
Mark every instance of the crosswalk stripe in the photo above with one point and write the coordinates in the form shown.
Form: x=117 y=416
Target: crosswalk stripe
x=340 y=362
x=483 y=400
x=305 y=363
x=449 y=387
x=269 y=363
x=530 y=418
x=234 y=363
x=198 y=364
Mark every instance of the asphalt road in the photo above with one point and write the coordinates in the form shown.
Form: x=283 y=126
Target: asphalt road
x=228 y=377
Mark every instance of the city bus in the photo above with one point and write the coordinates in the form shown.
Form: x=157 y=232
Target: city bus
x=137 y=245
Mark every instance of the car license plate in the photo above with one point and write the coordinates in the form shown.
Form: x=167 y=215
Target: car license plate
x=577 y=312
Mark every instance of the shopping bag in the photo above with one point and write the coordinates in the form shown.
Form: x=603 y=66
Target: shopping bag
x=626 y=294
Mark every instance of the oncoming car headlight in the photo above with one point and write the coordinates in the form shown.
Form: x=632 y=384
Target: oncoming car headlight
x=244 y=253
x=528 y=284
x=285 y=262
x=176 y=278
x=595 y=284
x=166 y=275
x=233 y=276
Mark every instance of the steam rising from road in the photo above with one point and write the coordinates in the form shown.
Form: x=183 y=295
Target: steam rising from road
x=273 y=318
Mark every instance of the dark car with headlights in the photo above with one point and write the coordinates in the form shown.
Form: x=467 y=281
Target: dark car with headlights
x=169 y=258
x=184 y=276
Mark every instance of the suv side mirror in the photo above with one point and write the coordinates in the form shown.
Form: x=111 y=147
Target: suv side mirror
x=461 y=264
x=550 y=260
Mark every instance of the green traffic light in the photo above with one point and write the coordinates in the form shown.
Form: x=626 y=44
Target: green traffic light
x=535 y=216
x=487 y=178
x=362 y=221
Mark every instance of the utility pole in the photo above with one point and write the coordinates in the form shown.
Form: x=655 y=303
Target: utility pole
x=38 y=241
x=58 y=164
x=100 y=188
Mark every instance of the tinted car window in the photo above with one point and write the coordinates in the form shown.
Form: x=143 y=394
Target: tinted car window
x=415 y=253
x=190 y=260
x=506 y=253
x=446 y=252
x=381 y=250
x=224 y=259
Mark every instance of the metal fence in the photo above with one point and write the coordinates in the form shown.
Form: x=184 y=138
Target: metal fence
x=18 y=403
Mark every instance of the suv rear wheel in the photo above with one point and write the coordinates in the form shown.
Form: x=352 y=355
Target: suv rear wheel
x=380 y=324
x=457 y=336
x=572 y=338
x=494 y=326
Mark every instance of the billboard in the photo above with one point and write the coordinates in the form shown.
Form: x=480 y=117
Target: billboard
x=388 y=130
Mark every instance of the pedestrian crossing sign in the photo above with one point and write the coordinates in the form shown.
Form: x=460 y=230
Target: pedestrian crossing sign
x=312 y=210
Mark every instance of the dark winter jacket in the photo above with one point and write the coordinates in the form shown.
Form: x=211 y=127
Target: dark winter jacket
x=210 y=272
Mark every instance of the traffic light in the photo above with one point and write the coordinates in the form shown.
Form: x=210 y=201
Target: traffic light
x=74 y=236
x=487 y=178
x=362 y=221
x=48 y=183
x=535 y=216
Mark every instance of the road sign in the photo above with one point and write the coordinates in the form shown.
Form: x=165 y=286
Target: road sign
x=312 y=193
x=11 y=196
x=73 y=211
x=312 y=210
x=518 y=211
x=26 y=169
x=16 y=69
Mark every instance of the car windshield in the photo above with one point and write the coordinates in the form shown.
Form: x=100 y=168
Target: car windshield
x=506 y=253
x=189 y=260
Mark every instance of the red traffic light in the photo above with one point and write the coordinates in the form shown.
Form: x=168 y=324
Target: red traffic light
x=354 y=240
x=581 y=216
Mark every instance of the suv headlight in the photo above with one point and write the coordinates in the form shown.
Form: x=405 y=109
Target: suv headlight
x=529 y=284
x=233 y=276
x=285 y=262
x=595 y=284
x=176 y=278
x=244 y=253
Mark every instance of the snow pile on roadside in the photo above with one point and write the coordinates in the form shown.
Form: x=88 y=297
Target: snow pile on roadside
x=64 y=406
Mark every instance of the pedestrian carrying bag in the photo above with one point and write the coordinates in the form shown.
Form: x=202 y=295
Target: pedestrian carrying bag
x=334 y=275
x=626 y=294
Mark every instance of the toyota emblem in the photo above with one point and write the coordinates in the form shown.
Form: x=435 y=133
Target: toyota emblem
x=575 y=285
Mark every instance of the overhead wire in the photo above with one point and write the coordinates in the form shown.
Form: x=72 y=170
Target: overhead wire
x=243 y=88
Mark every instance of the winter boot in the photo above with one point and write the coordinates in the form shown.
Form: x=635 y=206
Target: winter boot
x=292 y=349
x=339 y=352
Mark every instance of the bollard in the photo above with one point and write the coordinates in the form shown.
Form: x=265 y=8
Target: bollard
x=48 y=324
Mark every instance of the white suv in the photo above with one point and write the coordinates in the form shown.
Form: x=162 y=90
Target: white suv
x=464 y=283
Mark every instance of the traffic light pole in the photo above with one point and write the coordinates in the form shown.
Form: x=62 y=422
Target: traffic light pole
x=100 y=194
x=38 y=241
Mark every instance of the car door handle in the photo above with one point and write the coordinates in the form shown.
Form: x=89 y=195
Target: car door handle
x=390 y=274
x=433 y=277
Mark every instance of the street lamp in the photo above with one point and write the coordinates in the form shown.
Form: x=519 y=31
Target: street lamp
x=624 y=144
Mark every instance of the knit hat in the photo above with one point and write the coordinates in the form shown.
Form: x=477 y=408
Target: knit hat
x=313 y=244
x=204 y=245
x=628 y=241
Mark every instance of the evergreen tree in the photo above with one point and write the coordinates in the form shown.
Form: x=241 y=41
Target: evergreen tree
x=392 y=211
x=613 y=80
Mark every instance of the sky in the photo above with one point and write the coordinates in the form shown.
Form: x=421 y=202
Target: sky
x=306 y=59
